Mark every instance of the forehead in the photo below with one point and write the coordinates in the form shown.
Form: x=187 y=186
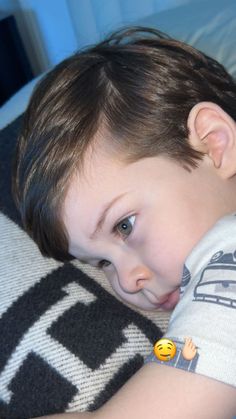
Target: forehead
x=99 y=181
x=99 y=165
x=104 y=177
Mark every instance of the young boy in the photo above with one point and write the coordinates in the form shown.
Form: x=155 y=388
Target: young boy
x=127 y=161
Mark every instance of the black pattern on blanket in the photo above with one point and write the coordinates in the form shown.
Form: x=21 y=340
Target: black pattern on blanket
x=67 y=343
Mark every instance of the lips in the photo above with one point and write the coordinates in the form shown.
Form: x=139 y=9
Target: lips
x=169 y=301
x=166 y=302
x=164 y=298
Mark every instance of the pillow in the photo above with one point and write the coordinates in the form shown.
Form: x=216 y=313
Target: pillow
x=17 y=103
x=209 y=26
x=67 y=344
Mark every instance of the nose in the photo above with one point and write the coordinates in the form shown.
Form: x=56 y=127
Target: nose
x=135 y=279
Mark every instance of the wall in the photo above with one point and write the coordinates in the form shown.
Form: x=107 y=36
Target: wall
x=54 y=29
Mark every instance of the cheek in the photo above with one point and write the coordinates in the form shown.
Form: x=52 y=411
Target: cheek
x=164 y=255
x=112 y=279
x=136 y=299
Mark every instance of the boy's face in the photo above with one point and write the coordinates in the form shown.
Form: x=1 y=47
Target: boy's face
x=157 y=212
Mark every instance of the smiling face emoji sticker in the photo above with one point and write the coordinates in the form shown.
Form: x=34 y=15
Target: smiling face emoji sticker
x=164 y=349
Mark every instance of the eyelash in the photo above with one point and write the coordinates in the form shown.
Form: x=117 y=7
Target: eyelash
x=115 y=232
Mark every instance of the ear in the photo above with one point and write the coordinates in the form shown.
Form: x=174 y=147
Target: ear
x=213 y=132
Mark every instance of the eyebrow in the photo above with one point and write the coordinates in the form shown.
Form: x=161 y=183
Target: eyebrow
x=103 y=215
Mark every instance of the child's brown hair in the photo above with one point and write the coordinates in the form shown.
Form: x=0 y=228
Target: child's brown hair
x=138 y=86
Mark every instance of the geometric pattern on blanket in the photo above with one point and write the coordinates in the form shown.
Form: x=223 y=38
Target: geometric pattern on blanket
x=67 y=343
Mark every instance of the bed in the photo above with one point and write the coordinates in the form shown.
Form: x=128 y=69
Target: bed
x=67 y=343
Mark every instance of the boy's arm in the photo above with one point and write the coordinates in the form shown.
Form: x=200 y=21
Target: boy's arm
x=162 y=392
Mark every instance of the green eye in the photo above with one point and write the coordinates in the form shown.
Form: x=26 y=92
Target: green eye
x=125 y=226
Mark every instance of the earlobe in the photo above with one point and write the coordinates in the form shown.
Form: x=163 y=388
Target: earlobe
x=213 y=132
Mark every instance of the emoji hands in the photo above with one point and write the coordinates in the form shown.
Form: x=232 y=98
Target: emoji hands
x=189 y=350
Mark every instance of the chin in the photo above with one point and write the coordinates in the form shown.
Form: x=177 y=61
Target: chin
x=147 y=307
